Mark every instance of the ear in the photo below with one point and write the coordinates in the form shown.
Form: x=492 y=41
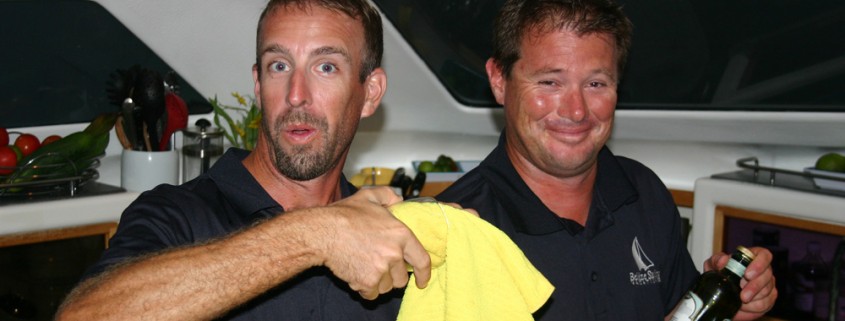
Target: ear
x=374 y=86
x=497 y=80
x=257 y=86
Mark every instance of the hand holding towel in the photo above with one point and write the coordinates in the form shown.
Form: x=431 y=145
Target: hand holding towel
x=477 y=272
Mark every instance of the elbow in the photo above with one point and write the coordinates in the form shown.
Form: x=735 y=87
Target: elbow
x=66 y=312
x=73 y=307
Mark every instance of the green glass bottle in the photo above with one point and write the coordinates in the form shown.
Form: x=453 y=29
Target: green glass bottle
x=715 y=295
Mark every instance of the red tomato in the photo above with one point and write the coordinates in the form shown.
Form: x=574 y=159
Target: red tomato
x=28 y=143
x=17 y=151
x=50 y=139
x=4 y=137
x=8 y=160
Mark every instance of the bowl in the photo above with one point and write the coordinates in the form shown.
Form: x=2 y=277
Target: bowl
x=463 y=167
x=831 y=180
x=372 y=176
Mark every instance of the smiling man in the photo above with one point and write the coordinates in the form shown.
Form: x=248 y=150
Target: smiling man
x=276 y=233
x=602 y=228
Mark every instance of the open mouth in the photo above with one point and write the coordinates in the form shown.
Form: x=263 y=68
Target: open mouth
x=300 y=133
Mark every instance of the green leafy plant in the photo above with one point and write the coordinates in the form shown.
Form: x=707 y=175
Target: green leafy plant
x=243 y=122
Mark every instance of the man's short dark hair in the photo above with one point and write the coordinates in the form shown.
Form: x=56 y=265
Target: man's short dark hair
x=519 y=18
x=357 y=9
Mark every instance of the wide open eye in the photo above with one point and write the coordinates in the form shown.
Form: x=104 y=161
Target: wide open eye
x=278 y=66
x=327 y=68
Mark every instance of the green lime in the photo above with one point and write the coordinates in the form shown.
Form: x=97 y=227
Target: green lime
x=425 y=166
x=442 y=159
x=447 y=163
x=442 y=168
x=831 y=162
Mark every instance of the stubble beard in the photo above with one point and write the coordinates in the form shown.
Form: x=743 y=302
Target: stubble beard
x=304 y=162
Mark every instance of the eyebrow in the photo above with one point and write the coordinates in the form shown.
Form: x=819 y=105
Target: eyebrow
x=322 y=51
x=549 y=70
x=328 y=50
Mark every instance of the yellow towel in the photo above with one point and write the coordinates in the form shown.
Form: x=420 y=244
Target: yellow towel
x=477 y=272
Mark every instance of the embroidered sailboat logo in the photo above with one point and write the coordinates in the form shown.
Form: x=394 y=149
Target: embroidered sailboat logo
x=642 y=260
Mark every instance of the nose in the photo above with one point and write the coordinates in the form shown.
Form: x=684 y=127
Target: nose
x=298 y=92
x=573 y=106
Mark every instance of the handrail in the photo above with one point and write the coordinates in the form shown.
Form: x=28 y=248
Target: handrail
x=743 y=163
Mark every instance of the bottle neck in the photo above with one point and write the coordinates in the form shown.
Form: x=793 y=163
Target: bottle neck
x=734 y=270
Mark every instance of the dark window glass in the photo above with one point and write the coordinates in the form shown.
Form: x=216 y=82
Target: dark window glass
x=57 y=59
x=694 y=54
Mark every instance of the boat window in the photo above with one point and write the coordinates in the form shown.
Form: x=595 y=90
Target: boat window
x=777 y=55
x=57 y=60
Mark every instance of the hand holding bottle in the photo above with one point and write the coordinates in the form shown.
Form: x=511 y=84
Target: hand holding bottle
x=758 y=285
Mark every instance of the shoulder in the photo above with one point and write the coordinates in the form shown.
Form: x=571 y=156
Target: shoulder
x=197 y=194
x=169 y=211
x=622 y=180
x=196 y=211
x=466 y=190
x=635 y=169
x=641 y=177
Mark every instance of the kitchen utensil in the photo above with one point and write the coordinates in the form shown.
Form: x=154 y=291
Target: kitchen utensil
x=147 y=146
x=177 y=118
x=202 y=146
x=396 y=180
x=129 y=121
x=405 y=185
x=121 y=133
x=416 y=186
x=149 y=95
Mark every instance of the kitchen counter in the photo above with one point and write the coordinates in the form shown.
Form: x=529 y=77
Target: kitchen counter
x=60 y=213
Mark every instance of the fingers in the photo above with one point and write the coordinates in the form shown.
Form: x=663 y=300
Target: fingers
x=760 y=279
x=758 y=290
x=715 y=262
x=369 y=294
x=370 y=247
x=762 y=262
x=758 y=307
x=399 y=276
x=416 y=255
x=381 y=195
x=396 y=275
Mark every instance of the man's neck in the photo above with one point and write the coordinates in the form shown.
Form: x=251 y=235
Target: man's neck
x=568 y=197
x=293 y=194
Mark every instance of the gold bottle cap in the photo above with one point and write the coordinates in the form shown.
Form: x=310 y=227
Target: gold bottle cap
x=746 y=252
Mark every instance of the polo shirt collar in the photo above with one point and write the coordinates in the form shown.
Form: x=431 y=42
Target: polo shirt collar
x=244 y=192
x=612 y=182
x=528 y=213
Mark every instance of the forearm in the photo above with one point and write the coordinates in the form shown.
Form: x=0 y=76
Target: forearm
x=356 y=238
x=198 y=282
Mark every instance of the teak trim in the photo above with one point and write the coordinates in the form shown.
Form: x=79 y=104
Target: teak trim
x=105 y=229
x=683 y=198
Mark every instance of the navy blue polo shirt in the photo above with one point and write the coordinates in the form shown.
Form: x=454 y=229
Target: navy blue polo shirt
x=628 y=262
x=224 y=200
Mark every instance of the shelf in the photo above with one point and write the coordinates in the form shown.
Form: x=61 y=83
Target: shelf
x=753 y=172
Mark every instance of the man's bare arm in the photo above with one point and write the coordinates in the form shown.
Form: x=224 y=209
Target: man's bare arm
x=356 y=238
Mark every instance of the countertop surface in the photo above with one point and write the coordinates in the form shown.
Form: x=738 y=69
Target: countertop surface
x=41 y=215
